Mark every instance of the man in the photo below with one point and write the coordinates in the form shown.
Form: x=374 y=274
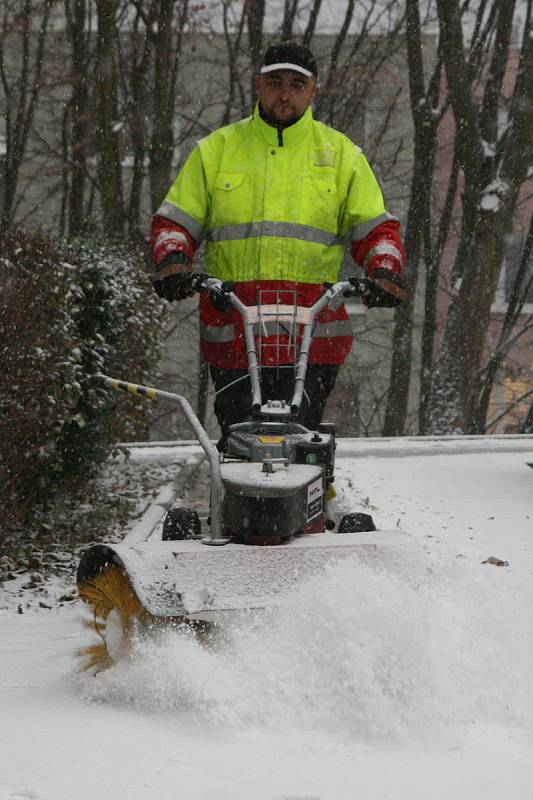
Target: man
x=275 y=196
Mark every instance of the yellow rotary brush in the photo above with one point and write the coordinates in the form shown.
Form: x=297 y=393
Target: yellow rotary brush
x=117 y=614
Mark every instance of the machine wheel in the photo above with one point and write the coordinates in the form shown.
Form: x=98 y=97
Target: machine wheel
x=356 y=523
x=181 y=523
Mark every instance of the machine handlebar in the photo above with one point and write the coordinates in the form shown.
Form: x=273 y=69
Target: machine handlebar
x=222 y=292
x=222 y=295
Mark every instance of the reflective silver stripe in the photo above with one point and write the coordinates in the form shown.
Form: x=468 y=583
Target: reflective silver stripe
x=170 y=236
x=217 y=334
x=226 y=333
x=170 y=211
x=336 y=327
x=383 y=249
x=362 y=230
x=286 y=230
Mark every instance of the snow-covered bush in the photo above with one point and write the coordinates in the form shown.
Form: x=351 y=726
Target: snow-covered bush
x=67 y=313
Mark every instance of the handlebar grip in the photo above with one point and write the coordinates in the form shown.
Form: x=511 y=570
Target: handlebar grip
x=202 y=282
x=196 y=280
x=359 y=286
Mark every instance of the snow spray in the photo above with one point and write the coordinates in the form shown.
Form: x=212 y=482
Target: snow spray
x=362 y=650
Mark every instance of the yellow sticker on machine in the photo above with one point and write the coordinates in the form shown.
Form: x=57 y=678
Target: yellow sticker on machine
x=271 y=439
x=330 y=492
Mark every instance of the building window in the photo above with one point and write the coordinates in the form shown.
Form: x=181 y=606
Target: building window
x=510 y=402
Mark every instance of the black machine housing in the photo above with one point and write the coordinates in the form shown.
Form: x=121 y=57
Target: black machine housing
x=260 y=439
x=282 y=488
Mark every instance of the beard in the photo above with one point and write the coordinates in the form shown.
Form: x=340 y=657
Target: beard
x=274 y=122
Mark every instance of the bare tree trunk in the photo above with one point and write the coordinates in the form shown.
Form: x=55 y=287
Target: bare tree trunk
x=162 y=144
x=21 y=94
x=135 y=69
x=311 y=23
x=167 y=52
x=107 y=122
x=527 y=425
x=433 y=258
x=332 y=76
x=233 y=46
x=507 y=338
x=419 y=220
x=138 y=139
x=490 y=194
x=255 y=13
x=76 y=18
x=289 y=15
x=65 y=173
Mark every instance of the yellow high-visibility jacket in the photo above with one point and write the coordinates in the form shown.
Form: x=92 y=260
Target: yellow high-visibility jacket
x=275 y=206
x=275 y=210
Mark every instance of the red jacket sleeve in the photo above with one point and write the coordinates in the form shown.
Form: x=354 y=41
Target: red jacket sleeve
x=381 y=249
x=168 y=238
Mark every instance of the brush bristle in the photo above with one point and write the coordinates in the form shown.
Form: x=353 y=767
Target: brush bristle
x=109 y=589
x=96 y=658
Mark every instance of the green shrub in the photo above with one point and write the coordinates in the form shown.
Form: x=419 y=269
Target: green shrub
x=66 y=314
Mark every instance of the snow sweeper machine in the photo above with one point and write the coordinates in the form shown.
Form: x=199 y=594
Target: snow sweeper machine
x=269 y=521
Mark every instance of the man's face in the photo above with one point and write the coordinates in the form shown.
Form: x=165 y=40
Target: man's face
x=285 y=95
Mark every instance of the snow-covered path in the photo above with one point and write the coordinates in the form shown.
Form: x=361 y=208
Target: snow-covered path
x=371 y=684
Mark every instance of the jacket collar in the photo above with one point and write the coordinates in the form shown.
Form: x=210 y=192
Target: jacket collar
x=292 y=135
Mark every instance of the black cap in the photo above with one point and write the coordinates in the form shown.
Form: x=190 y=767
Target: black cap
x=289 y=55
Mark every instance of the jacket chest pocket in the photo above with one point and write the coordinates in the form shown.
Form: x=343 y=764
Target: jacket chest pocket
x=320 y=203
x=230 y=198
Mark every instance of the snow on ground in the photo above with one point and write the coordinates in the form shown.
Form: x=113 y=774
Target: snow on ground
x=374 y=681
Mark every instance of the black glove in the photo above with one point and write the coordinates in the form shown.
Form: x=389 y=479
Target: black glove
x=220 y=296
x=385 y=290
x=173 y=285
